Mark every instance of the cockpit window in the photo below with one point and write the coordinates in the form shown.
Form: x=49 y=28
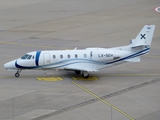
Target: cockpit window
x=25 y=56
x=29 y=57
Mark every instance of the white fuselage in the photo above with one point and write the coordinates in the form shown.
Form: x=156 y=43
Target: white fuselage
x=89 y=59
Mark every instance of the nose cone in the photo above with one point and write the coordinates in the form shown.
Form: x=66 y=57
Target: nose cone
x=10 y=65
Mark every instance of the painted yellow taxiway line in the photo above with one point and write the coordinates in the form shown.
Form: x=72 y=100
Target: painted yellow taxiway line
x=5 y=77
x=153 y=56
x=51 y=79
x=156 y=74
x=85 y=79
x=10 y=43
x=104 y=101
x=30 y=45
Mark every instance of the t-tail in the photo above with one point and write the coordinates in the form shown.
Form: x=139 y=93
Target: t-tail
x=141 y=44
x=144 y=38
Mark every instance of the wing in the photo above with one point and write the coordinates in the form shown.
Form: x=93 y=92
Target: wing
x=81 y=69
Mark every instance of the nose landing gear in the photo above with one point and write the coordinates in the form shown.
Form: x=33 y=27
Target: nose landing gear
x=17 y=74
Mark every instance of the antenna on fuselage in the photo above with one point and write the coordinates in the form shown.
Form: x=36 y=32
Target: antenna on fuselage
x=75 y=48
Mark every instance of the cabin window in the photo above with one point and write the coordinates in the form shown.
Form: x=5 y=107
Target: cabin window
x=33 y=57
x=61 y=56
x=76 y=56
x=54 y=56
x=68 y=56
x=85 y=55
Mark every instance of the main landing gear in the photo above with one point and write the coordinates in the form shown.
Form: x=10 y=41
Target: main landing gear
x=77 y=71
x=17 y=74
x=85 y=74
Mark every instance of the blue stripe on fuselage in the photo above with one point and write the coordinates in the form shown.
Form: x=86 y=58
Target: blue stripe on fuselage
x=24 y=67
x=37 y=57
x=131 y=56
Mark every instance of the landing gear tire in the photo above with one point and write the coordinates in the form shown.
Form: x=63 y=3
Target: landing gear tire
x=85 y=74
x=17 y=74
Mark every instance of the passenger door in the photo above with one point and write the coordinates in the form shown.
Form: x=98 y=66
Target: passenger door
x=46 y=58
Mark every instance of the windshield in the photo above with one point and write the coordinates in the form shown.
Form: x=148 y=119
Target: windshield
x=25 y=56
x=29 y=57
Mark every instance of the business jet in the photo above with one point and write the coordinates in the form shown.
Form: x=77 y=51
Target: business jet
x=86 y=60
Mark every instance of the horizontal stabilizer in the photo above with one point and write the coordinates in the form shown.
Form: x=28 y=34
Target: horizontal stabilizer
x=136 y=59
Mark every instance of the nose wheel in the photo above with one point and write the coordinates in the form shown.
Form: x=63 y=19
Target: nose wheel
x=17 y=74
